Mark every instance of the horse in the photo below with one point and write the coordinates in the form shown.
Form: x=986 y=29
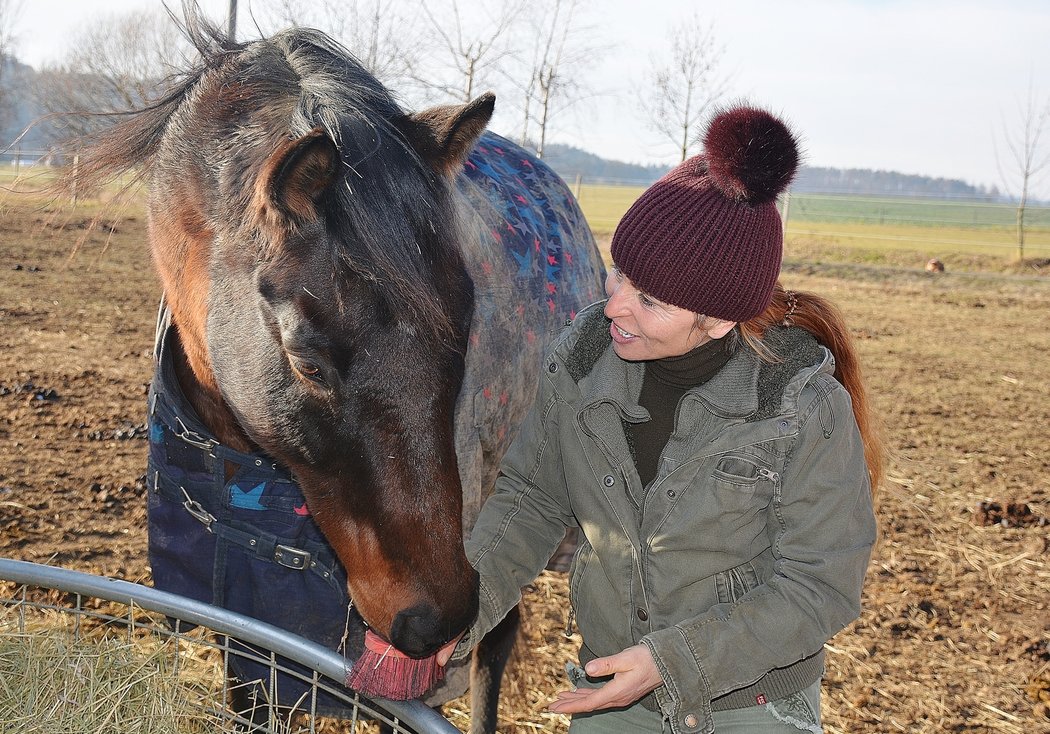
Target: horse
x=356 y=302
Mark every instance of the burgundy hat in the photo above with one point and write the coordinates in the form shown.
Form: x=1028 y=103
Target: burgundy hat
x=707 y=236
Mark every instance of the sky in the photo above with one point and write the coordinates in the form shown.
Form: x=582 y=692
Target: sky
x=929 y=87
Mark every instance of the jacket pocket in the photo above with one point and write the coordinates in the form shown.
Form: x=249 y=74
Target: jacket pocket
x=735 y=582
x=739 y=470
x=737 y=499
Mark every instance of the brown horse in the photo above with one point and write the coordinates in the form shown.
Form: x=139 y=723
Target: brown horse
x=359 y=297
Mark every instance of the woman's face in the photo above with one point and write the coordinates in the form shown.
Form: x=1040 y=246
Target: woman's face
x=644 y=328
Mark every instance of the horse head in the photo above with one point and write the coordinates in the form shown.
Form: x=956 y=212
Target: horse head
x=306 y=232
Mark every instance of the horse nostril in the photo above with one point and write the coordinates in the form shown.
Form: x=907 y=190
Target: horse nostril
x=417 y=631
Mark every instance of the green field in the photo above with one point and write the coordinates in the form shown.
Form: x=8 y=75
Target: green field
x=867 y=229
x=936 y=227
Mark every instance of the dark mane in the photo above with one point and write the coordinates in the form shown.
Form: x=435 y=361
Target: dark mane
x=395 y=216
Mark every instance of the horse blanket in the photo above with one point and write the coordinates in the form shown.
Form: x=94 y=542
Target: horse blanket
x=248 y=543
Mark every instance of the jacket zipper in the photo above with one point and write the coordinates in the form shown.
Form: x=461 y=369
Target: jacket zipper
x=770 y=476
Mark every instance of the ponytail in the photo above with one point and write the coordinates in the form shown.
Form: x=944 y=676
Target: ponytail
x=824 y=321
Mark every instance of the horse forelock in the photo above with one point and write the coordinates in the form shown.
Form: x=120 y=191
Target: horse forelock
x=394 y=221
x=391 y=219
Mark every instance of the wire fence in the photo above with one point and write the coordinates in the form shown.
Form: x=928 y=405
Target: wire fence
x=16 y=159
x=184 y=642
x=876 y=221
x=872 y=221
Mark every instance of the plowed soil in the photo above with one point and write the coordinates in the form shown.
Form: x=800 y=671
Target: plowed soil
x=955 y=635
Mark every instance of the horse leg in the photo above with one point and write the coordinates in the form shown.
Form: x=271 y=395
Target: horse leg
x=486 y=672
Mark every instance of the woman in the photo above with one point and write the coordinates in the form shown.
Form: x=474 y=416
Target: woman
x=718 y=460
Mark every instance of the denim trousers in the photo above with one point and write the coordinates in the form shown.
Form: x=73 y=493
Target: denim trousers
x=789 y=715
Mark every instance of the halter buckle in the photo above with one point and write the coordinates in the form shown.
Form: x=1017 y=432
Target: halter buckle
x=197 y=510
x=193 y=438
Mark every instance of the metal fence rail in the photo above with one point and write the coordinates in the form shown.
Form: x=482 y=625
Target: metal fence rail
x=157 y=614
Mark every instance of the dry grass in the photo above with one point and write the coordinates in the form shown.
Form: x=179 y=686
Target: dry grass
x=955 y=634
x=96 y=682
x=104 y=668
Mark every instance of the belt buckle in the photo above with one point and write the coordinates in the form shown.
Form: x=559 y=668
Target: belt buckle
x=289 y=557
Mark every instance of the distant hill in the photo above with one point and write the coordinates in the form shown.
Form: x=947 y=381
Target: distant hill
x=864 y=181
x=18 y=108
x=571 y=162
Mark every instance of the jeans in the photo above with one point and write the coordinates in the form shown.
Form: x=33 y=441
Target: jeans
x=789 y=715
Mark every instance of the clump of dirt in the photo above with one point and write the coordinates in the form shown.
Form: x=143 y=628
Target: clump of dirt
x=30 y=390
x=1038 y=689
x=1009 y=514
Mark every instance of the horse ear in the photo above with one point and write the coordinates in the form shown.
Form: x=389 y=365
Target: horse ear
x=445 y=135
x=297 y=173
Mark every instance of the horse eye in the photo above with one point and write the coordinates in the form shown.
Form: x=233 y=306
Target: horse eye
x=306 y=369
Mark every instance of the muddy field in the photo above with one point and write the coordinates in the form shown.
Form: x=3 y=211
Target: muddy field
x=955 y=636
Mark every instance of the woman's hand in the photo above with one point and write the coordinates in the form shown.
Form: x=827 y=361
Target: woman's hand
x=634 y=675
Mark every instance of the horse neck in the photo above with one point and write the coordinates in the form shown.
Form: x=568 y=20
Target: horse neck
x=181 y=242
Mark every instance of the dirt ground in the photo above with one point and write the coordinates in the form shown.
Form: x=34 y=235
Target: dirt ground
x=955 y=635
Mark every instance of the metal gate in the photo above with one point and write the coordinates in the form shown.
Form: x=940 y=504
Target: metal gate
x=196 y=636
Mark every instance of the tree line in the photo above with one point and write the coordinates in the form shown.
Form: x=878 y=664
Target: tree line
x=535 y=54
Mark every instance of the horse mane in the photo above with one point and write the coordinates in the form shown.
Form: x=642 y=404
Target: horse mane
x=823 y=320
x=394 y=228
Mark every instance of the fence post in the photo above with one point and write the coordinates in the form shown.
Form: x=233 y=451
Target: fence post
x=18 y=160
x=73 y=184
x=784 y=211
x=576 y=187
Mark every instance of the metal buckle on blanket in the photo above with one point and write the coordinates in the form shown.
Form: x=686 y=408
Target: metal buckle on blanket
x=289 y=557
x=197 y=510
x=193 y=438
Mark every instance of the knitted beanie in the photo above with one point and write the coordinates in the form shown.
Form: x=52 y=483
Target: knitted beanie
x=707 y=236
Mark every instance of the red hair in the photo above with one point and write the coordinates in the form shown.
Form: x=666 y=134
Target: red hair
x=823 y=320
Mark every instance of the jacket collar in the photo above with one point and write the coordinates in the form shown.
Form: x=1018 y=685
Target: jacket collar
x=732 y=392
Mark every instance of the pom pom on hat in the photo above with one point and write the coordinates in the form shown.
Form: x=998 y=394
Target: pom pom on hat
x=707 y=236
x=751 y=155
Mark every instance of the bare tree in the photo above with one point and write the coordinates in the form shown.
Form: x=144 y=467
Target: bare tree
x=679 y=92
x=384 y=40
x=1027 y=158
x=10 y=10
x=116 y=63
x=554 y=76
x=470 y=45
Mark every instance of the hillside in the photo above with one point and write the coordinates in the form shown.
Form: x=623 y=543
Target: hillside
x=571 y=162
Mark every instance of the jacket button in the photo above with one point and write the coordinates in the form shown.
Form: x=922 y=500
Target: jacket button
x=609 y=480
x=671 y=493
x=644 y=616
x=553 y=367
x=691 y=721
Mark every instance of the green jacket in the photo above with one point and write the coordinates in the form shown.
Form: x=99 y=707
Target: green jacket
x=738 y=562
